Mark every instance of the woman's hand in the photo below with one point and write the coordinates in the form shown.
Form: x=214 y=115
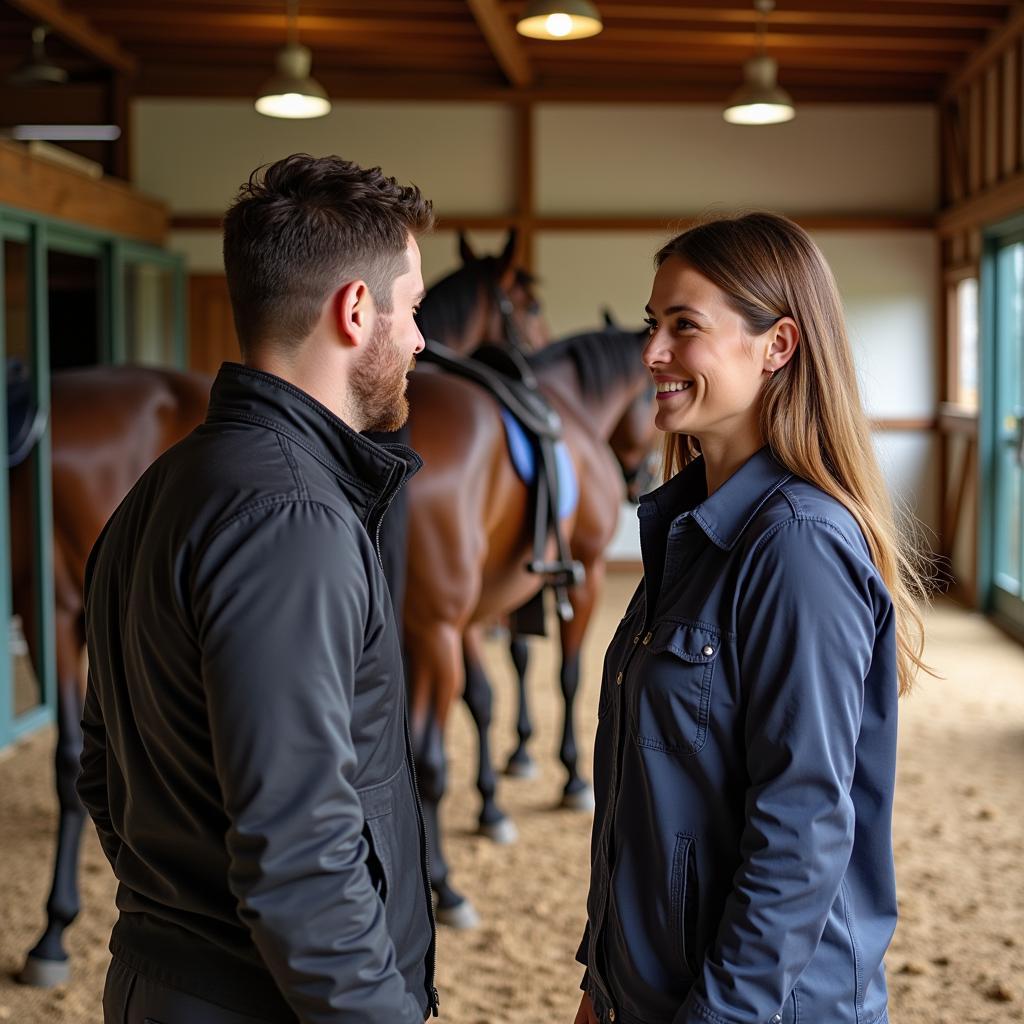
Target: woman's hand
x=585 y=1014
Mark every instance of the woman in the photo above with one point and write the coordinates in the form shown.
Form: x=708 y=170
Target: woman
x=742 y=859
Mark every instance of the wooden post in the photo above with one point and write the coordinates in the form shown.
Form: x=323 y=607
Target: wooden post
x=525 y=184
x=119 y=112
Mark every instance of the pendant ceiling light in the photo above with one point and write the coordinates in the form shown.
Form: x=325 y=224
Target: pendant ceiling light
x=760 y=100
x=291 y=92
x=38 y=69
x=559 y=19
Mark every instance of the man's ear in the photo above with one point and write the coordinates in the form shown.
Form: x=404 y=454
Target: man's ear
x=354 y=310
x=783 y=345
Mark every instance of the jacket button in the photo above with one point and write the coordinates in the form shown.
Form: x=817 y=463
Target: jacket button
x=777 y=1019
x=647 y=639
x=708 y=651
x=636 y=639
x=618 y=679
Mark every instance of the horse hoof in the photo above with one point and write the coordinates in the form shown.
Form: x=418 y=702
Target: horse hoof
x=503 y=831
x=524 y=769
x=579 y=800
x=41 y=973
x=462 y=917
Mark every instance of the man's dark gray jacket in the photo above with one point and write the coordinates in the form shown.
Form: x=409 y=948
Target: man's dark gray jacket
x=246 y=757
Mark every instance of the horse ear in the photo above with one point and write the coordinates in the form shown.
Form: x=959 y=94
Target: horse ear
x=609 y=320
x=507 y=261
x=466 y=253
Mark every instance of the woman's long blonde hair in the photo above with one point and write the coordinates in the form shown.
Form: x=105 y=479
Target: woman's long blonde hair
x=812 y=418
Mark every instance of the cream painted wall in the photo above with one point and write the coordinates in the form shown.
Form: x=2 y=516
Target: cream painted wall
x=195 y=153
x=608 y=159
x=621 y=160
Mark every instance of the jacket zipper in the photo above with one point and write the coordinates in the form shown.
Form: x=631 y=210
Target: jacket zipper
x=432 y=995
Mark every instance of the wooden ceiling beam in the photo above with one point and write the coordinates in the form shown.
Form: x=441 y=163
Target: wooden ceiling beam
x=696 y=40
x=194 y=79
x=927 y=63
x=228 y=25
x=745 y=15
x=504 y=42
x=78 y=31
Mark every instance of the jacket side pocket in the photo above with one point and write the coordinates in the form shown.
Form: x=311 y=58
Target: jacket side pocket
x=377 y=860
x=683 y=902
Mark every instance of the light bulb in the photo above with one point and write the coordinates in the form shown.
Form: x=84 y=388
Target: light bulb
x=559 y=25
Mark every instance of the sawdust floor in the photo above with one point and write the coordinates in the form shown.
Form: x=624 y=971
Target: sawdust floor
x=958 y=956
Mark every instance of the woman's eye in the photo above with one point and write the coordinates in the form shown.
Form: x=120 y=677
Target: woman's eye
x=651 y=324
x=684 y=325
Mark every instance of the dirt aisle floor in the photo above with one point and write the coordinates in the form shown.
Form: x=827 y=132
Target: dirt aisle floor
x=958 y=957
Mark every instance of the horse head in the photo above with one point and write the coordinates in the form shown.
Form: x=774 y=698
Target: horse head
x=489 y=299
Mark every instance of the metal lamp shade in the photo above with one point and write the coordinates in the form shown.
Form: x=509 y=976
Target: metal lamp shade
x=559 y=19
x=760 y=100
x=291 y=92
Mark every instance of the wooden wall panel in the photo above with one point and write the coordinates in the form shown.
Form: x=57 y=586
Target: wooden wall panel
x=212 y=339
x=29 y=183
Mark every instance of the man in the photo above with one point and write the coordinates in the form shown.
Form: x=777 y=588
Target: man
x=246 y=755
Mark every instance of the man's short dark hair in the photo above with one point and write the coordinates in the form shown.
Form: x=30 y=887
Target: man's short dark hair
x=304 y=226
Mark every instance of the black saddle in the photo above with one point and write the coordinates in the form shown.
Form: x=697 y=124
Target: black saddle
x=26 y=421
x=505 y=374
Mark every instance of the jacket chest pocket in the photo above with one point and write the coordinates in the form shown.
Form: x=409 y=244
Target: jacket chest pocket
x=672 y=686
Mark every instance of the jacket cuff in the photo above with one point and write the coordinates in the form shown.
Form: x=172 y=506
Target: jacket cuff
x=581 y=953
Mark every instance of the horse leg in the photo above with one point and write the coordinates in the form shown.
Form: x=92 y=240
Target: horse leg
x=434 y=664
x=578 y=794
x=520 y=764
x=47 y=964
x=479 y=697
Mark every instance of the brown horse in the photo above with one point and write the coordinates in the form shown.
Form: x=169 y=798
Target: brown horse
x=471 y=538
x=107 y=427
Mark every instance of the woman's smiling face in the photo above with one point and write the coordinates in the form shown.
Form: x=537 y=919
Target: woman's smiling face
x=709 y=371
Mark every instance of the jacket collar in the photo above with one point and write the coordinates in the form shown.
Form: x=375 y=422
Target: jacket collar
x=725 y=514
x=370 y=473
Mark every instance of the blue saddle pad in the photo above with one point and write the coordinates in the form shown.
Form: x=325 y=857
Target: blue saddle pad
x=525 y=457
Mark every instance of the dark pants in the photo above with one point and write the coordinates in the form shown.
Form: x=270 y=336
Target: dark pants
x=129 y=998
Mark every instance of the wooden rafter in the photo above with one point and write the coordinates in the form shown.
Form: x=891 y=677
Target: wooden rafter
x=984 y=57
x=78 y=31
x=503 y=41
x=650 y=51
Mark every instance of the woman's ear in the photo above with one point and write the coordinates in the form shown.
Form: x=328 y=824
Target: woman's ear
x=783 y=345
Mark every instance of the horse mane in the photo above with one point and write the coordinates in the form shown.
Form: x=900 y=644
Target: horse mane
x=601 y=358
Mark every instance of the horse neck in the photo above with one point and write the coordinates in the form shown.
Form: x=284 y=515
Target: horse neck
x=601 y=413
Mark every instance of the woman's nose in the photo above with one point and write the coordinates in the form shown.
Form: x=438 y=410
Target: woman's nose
x=655 y=352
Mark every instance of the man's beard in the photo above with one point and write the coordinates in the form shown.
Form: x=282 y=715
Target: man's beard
x=378 y=382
